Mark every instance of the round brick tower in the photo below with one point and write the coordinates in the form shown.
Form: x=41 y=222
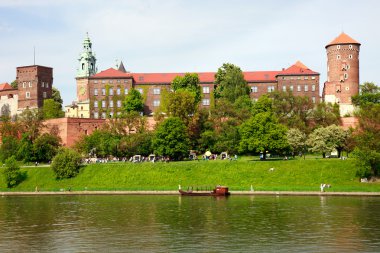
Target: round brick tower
x=342 y=72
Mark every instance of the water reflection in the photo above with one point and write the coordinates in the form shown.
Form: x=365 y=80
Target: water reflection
x=183 y=224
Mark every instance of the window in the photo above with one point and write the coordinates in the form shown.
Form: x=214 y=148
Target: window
x=118 y=91
x=313 y=78
x=350 y=56
x=96 y=104
x=313 y=87
x=347 y=66
x=345 y=76
x=96 y=81
x=95 y=92
x=103 y=115
x=44 y=94
x=23 y=84
x=306 y=87
x=103 y=103
x=43 y=84
x=254 y=89
x=350 y=46
x=206 y=90
x=206 y=101
x=47 y=85
x=111 y=92
x=156 y=103
x=126 y=91
x=110 y=81
x=27 y=94
x=96 y=115
x=291 y=87
x=338 y=47
x=283 y=88
x=313 y=100
x=118 y=81
x=306 y=78
x=270 y=88
x=111 y=114
x=103 y=91
x=347 y=88
x=298 y=78
x=156 y=91
x=118 y=103
x=103 y=81
x=30 y=84
x=298 y=87
x=338 y=57
x=140 y=90
x=111 y=103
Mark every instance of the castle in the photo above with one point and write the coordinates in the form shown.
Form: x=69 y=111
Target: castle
x=100 y=94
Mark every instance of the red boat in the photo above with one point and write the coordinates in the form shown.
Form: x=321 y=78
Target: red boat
x=217 y=191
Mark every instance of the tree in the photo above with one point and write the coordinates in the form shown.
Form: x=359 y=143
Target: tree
x=139 y=143
x=52 y=109
x=181 y=104
x=46 y=147
x=326 y=114
x=326 y=139
x=12 y=172
x=9 y=147
x=66 y=164
x=31 y=124
x=56 y=96
x=262 y=133
x=296 y=140
x=133 y=102
x=369 y=95
x=188 y=82
x=230 y=83
x=171 y=139
x=14 y=84
x=263 y=104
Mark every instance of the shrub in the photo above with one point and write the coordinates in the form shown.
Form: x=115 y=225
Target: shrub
x=66 y=163
x=12 y=172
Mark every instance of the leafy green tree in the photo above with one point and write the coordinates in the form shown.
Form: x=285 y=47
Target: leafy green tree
x=326 y=114
x=296 y=140
x=262 y=133
x=9 y=147
x=207 y=141
x=66 y=164
x=12 y=173
x=188 y=82
x=25 y=151
x=30 y=122
x=369 y=95
x=171 y=139
x=227 y=137
x=101 y=143
x=14 y=84
x=230 y=83
x=137 y=144
x=56 y=96
x=181 y=104
x=367 y=138
x=46 y=147
x=52 y=109
x=133 y=102
x=263 y=104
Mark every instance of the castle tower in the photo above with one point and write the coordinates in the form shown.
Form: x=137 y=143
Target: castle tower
x=342 y=72
x=87 y=68
x=34 y=85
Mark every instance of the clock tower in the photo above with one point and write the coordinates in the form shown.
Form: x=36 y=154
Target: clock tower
x=86 y=68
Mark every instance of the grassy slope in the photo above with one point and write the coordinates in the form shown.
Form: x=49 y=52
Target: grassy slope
x=292 y=175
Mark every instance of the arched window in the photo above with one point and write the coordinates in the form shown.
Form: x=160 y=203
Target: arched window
x=82 y=66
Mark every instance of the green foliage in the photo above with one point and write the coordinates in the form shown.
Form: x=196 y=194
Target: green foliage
x=66 y=164
x=262 y=133
x=369 y=95
x=181 y=104
x=52 y=109
x=171 y=139
x=46 y=147
x=207 y=141
x=30 y=122
x=8 y=148
x=230 y=83
x=326 y=114
x=188 y=82
x=14 y=84
x=25 y=151
x=12 y=173
x=56 y=96
x=136 y=144
x=296 y=140
x=100 y=143
x=133 y=102
x=264 y=104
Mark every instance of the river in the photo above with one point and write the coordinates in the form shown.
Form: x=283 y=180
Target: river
x=189 y=224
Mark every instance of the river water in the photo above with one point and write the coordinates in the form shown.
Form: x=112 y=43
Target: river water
x=189 y=224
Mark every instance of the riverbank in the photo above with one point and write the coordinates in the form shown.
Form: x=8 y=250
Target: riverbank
x=240 y=176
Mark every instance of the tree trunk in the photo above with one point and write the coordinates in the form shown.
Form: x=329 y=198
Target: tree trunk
x=324 y=155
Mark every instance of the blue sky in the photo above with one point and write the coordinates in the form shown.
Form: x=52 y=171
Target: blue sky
x=183 y=36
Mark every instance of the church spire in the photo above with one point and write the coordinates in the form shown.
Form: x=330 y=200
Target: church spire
x=87 y=60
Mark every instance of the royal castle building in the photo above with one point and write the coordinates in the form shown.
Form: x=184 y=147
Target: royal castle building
x=101 y=94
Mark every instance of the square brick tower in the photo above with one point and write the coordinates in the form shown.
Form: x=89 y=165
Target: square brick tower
x=342 y=72
x=34 y=85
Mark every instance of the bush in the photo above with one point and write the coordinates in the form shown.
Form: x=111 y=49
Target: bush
x=12 y=172
x=66 y=163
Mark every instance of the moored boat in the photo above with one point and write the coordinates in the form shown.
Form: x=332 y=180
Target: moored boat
x=217 y=191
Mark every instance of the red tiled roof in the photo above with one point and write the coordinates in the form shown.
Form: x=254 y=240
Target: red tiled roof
x=297 y=68
x=110 y=73
x=260 y=76
x=140 y=78
x=343 y=39
x=5 y=86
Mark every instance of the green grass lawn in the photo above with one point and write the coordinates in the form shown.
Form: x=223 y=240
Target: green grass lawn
x=290 y=175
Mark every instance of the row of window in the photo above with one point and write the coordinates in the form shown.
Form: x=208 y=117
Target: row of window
x=254 y=89
x=338 y=57
x=103 y=115
x=156 y=103
x=297 y=78
x=110 y=81
x=338 y=47
x=44 y=94
x=29 y=84
x=156 y=91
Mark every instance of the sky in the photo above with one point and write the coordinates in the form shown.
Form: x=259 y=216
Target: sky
x=183 y=36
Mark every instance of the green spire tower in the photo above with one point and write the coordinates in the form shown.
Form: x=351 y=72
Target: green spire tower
x=87 y=60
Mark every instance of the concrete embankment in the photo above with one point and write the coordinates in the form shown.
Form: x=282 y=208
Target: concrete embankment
x=241 y=193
